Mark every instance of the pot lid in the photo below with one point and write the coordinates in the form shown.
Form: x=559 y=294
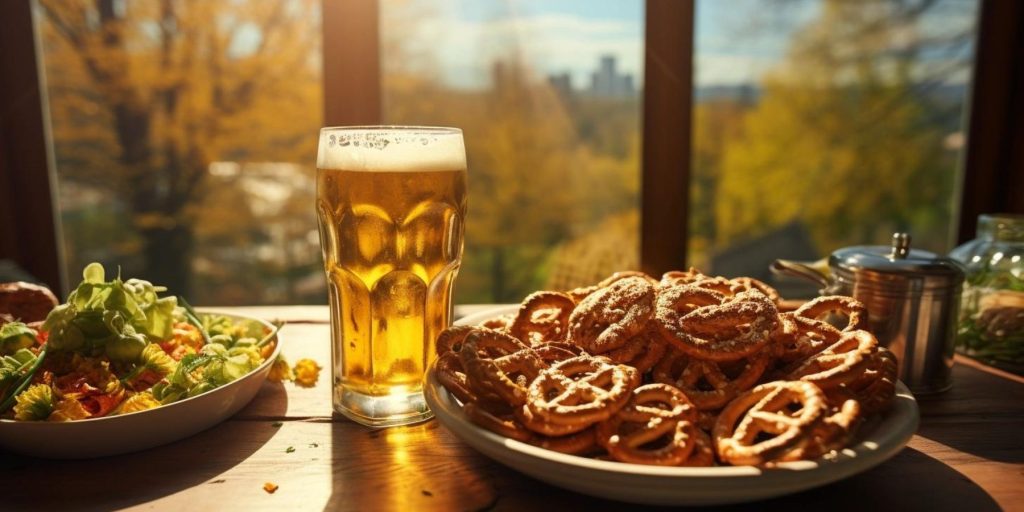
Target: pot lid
x=898 y=258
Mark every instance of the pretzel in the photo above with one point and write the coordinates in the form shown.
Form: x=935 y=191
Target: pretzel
x=556 y=352
x=673 y=277
x=500 y=323
x=450 y=339
x=833 y=433
x=582 y=390
x=708 y=384
x=855 y=311
x=703 y=454
x=765 y=411
x=798 y=338
x=501 y=422
x=574 y=444
x=727 y=330
x=543 y=317
x=654 y=412
x=749 y=283
x=499 y=374
x=535 y=423
x=578 y=294
x=452 y=376
x=609 y=317
x=841 y=362
x=654 y=350
x=875 y=388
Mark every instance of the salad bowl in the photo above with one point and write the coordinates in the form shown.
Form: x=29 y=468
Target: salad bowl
x=113 y=435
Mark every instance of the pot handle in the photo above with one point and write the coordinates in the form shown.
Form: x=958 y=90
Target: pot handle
x=816 y=271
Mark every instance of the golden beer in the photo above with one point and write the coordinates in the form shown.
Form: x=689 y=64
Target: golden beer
x=391 y=204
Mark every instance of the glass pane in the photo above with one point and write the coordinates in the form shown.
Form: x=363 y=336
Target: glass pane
x=826 y=123
x=547 y=94
x=184 y=135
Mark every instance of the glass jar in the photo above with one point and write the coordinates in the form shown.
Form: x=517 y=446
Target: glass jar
x=992 y=312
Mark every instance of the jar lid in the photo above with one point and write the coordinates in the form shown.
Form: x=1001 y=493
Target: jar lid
x=897 y=260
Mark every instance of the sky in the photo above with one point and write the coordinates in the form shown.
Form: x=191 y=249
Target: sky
x=736 y=40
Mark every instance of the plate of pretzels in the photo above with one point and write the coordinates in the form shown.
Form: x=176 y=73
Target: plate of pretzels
x=685 y=390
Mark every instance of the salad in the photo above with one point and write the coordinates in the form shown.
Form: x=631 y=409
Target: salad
x=117 y=347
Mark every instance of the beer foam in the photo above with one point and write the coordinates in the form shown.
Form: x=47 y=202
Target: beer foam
x=391 y=149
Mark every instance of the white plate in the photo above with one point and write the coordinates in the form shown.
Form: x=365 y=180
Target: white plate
x=126 y=433
x=877 y=441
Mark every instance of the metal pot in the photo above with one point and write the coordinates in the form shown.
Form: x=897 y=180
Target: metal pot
x=912 y=298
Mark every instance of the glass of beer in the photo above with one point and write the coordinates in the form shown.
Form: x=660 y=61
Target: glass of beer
x=391 y=206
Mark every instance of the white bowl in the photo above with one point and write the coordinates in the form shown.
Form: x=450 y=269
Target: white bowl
x=114 y=435
x=877 y=441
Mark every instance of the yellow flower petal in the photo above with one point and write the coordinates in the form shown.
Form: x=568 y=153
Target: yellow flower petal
x=281 y=371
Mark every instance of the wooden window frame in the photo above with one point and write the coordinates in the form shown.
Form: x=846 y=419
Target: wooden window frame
x=993 y=163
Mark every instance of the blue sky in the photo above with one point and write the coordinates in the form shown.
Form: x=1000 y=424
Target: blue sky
x=737 y=40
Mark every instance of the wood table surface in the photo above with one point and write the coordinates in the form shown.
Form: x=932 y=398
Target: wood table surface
x=968 y=456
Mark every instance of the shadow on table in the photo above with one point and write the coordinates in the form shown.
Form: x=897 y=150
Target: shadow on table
x=910 y=481
x=108 y=483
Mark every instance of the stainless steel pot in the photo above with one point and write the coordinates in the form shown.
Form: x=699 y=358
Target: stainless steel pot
x=912 y=297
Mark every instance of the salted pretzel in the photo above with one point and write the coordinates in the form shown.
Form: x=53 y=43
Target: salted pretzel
x=708 y=384
x=843 y=361
x=654 y=412
x=609 y=317
x=673 y=277
x=854 y=310
x=578 y=294
x=543 y=317
x=726 y=330
x=798 y=338
x=581 y=391
x=654 y=349
x=875 y=388
x=765 y=411
x=834 y=432
x=749 y=283
x=556 y=352
x=506 y=376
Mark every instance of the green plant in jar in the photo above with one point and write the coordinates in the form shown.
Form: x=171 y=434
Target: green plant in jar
x=992 y=312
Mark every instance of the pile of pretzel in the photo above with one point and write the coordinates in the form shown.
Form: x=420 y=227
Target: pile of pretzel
x=691 y=370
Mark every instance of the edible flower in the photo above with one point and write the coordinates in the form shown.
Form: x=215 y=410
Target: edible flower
x=138 y=402
x=68 y=409
x=35 y=403
x=307 y=372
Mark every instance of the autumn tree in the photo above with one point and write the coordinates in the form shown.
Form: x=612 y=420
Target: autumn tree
x=146 y=94
x=844 y=139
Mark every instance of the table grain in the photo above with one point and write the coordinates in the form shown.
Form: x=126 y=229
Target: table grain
x=968 y=455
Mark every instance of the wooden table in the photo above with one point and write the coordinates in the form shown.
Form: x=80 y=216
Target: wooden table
x=967 y=456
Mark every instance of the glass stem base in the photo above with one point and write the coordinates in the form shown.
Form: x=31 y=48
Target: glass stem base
x=381 y=411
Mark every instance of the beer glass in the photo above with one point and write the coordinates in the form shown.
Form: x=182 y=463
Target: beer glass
x=391 y=207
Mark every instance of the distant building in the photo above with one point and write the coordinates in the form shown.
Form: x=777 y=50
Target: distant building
x=561 y=83
x=608 y=82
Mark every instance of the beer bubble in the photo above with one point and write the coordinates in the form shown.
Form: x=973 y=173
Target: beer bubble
x=391 y=149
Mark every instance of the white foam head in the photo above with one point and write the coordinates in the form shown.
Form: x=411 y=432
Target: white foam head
x=391 y=148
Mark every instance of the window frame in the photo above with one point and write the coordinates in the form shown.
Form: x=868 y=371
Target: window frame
x=993 y=160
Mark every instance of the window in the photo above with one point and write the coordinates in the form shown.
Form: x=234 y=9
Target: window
x=183 y=131
x=548 y=97
x=822 y=124
x=184 y=135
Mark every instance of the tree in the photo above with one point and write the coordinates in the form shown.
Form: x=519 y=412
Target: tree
x=146 y=94
x=844 y=139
